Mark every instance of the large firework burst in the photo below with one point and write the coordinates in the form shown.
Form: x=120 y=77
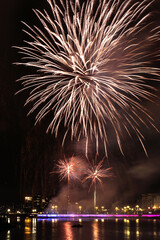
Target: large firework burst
x=92 y=67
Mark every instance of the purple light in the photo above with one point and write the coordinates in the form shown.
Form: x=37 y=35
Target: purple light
x=97 y=215
x=86 y=215
x=151 y=215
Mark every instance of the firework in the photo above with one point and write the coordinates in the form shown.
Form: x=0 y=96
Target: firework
x=94 y=67
x=69 y=169
x=95 y=173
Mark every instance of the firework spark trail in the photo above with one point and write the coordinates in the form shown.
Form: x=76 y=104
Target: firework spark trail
x=92 y=68
x=95 y=173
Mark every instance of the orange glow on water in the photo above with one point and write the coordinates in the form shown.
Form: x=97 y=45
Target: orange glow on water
x=27 y=228
x=95 y=231
x=68 y=231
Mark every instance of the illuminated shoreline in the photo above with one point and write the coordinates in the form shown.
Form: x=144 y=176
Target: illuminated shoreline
x=97 y=216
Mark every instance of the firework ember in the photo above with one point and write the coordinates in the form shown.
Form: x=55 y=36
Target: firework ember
x=94 y=67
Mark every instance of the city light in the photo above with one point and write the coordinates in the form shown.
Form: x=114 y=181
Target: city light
x=28 y=198
x=34 y=210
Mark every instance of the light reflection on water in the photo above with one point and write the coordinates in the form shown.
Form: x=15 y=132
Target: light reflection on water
x=27 y=229
x=137 y=229
x=154 y=229
x=127 y=229
x=8 y=237
x=116 y=228
x=93 y=229
x=68 y=234
x=34 y=228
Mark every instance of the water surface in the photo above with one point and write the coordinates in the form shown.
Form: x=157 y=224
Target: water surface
x=92 y=229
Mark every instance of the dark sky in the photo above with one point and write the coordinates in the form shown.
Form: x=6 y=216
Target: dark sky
x=28 y=153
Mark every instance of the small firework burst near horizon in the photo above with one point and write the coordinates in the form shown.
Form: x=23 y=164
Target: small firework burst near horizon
x=69 y=168
x=95 y=63
x=95 y=172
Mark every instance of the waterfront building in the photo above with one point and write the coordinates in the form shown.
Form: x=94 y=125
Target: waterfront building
x=150 y=201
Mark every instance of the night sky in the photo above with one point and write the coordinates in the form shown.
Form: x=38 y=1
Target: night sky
x=28 y=154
